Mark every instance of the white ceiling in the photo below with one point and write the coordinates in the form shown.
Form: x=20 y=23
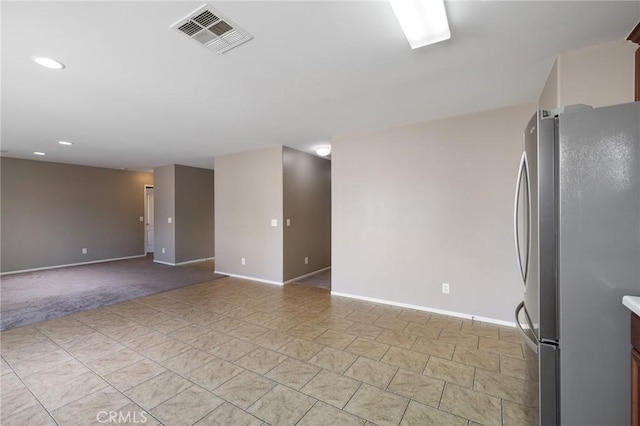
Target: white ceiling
x=136 y=94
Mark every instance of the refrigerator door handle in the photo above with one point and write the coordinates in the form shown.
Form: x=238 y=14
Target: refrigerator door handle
x=533 y=344
x=528 y=227
x=522 y=171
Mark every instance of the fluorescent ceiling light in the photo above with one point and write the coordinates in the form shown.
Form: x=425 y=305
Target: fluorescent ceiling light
x=65 y=143
x=39 y=153
x=423 y=21
x=323 y=150
x=48 y=62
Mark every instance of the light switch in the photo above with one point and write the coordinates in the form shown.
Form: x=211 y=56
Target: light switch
x=288 y=222
x=274 y=222
x=141 y=219
x=169 y=220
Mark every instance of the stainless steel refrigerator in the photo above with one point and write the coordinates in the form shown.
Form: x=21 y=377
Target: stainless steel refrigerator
x=577 y=230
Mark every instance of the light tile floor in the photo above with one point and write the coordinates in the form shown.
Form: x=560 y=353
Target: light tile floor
x=234 y=352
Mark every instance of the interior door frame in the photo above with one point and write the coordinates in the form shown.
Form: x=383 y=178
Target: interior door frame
x=145 y=217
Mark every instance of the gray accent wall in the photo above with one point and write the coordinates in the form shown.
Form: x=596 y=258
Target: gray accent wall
x=49 y=212
x=248 y=195
x=307 y=204
x=184 y=194
x=194 y=212
x=164 y=207
x=430 y=203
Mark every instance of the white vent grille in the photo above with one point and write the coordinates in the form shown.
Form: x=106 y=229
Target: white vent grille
x=212 y=29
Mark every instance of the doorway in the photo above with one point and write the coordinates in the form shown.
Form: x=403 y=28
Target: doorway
x=148 y=218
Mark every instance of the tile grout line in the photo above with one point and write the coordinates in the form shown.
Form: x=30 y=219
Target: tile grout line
x=441 y=394
x=351 y=397
x=306 y=412
x=394 y=376
x=405 y=410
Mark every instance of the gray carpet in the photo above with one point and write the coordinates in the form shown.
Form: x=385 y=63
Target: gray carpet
x=33 y=297
x=321 y=279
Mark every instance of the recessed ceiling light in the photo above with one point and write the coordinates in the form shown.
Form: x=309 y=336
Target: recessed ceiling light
x=48 y=62
x=65 y=143
x=39 y=153
x=323 y=150
x=423 y=21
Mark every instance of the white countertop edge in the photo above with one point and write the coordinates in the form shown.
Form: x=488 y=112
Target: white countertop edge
x=633 y=303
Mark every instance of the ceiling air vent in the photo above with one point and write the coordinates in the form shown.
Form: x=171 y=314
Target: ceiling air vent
x=212 y=29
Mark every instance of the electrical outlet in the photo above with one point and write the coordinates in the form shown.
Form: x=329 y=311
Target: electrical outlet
x=445 y=288
x=84 y=251
x=243 y=261
x=274 y=222
x=306 y=260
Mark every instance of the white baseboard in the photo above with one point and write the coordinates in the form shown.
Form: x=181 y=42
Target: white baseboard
x=428 y=309
x=308 y=275
x=260 y=280
x=72 y=264
x=273 y=282
x=164 y=263
x=195 y=261
x=184 y=263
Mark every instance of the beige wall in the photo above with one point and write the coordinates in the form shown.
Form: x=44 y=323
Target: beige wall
x=428 y=203
x=248 y=195
x=194 y=213
x=50 y=211
x=307 y=203
x=550 y=96
x=598 y=75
